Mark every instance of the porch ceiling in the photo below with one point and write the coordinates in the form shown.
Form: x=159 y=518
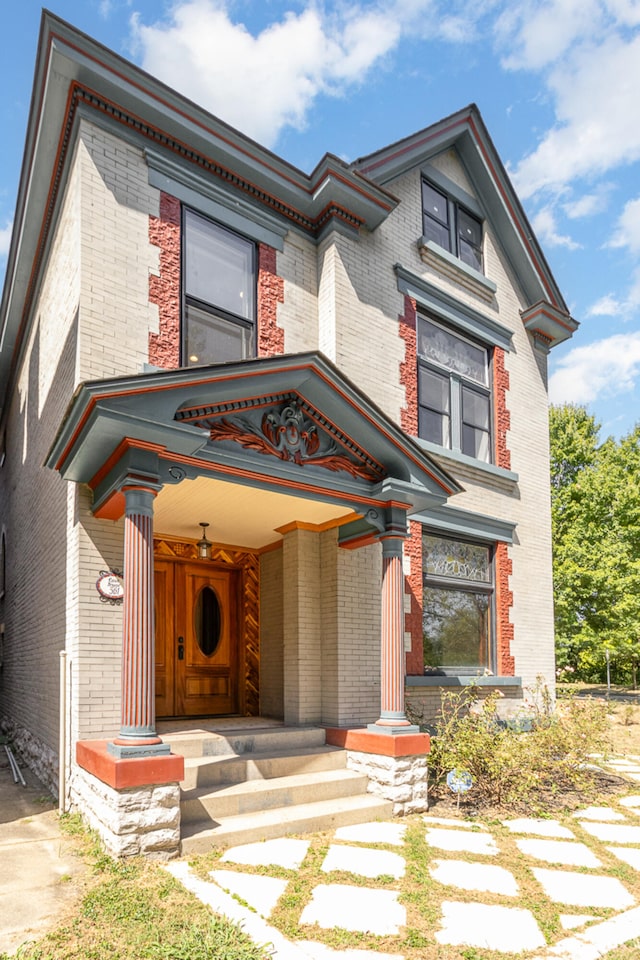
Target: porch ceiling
x=239 y=516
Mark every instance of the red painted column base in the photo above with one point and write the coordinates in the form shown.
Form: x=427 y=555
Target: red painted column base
x=367 y=741
x=92 y=756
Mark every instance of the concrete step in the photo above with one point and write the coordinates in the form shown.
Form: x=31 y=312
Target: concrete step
x=211 y=771
x=207 y=743
x=257 y=795
x=201 y=836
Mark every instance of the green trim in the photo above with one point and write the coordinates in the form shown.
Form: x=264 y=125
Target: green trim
x=448 y=308
x=489 y=468
x=203 y=194
x=455 y=263
x=461 y=681
x=452 y=189
x=467 y=524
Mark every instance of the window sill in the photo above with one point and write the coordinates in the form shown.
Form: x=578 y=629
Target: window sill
x=448 y=681
x=477 y=469
x=455 y=269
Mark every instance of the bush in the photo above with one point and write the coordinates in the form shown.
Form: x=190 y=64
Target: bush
x=541 y=769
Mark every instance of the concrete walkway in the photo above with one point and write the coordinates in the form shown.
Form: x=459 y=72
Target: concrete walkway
x=581 y=882
x=36 y=861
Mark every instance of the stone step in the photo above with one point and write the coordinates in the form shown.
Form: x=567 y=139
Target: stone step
x=199 y=743
x=210 y=771
x=257 y=795
x=201 y=836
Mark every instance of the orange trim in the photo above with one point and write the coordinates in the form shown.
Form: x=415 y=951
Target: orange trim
x=364 y=541
x=113 y=507
x=120 y=774
x=383 y=744
x=318 y=527
x=270 y=547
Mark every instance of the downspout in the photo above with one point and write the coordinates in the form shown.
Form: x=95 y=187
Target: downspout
x=62 y=745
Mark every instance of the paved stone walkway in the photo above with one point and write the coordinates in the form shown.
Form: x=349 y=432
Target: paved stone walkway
x=569 y=874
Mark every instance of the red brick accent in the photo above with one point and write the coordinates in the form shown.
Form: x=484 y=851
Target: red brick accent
x=413 y=619
x=121 y=774
x=504 y=602
x=409 y=369
x=383 y=744
x=270 y=294
x=502 y=415
x=164 y=290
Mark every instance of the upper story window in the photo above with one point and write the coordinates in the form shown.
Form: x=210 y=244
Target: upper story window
x=452 y=227
x=454 y=398
x=219 y=293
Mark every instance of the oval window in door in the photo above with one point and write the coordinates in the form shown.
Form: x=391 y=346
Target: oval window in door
x=207 y=621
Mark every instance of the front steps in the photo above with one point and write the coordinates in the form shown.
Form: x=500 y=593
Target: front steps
x=257 y=784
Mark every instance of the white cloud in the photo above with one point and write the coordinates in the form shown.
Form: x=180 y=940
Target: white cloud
x=596 y=97
x=544 y=225
x=588 y=204
x=5 y=238
x=603 y=368
x=607 y=306
x=537 y=34
x=627 y=229
x=266 y=82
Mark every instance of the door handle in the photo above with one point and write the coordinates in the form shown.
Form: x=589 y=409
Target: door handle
x=180 y=653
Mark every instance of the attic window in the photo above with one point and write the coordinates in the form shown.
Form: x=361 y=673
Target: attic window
x=450 y=226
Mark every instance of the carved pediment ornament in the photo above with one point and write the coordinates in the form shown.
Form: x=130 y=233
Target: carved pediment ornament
x=285 y=432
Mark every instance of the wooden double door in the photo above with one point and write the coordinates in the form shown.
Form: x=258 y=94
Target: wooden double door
x=196 y=608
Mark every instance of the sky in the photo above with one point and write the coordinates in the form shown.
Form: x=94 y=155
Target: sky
x=557 y=83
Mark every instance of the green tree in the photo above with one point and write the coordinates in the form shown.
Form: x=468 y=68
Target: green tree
x=595 y=500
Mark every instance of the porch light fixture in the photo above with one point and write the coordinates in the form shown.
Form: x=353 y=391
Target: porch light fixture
x=204 y=545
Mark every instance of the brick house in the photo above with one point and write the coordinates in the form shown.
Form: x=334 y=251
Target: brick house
x=273 y=445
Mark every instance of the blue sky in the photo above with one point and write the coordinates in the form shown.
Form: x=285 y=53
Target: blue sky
x=557 y=82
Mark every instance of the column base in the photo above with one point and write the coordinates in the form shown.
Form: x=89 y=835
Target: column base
x=132 y=771
x=392 y=729
x=123 y=750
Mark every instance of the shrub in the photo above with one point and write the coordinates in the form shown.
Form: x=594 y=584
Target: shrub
x=546 y=767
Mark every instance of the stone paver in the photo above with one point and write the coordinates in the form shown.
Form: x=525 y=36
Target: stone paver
x=509 y=929
x=632 y=802
x=598 y=940
x=283 y=852
x=450 y=822
x=391 y=833
x=599 y=813
x=355 y=908
x=539 y=827
x=558 y=851
x=583 y=890
x=613 y=832
x=569 y=921
x=320 y=951
x=630 y=855
x=261 y=893
x=474 y=876
x=366 y=863
x=458 y=841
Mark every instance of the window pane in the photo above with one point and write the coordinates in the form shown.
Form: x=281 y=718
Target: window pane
x=471 y=256
x=475 y=408
x=455 y=626
x=475 y=443
x=434 y=427
x=436 y=232
x=452 y=352
x=455 y=559
x=469 y=229
x=435 y=204
x=434 y=390
x=211 y=339
x=219 y=267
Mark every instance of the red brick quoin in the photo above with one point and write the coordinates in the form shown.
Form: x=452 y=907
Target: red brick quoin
x=270 y=294
x=164 y=291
